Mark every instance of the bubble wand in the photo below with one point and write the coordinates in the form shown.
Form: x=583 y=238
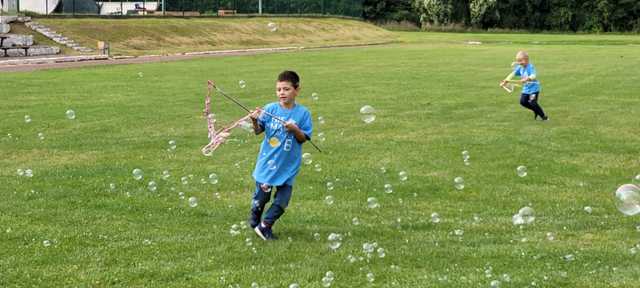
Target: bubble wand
x=212 y=84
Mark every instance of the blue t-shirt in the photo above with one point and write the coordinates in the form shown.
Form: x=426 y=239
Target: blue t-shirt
x=530 y=86
x=281 y=153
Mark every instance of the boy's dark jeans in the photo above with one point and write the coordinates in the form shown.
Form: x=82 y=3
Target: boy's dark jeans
x=532 y=104
x=262 y=197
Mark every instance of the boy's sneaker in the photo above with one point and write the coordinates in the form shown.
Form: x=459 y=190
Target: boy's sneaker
x=545 y=118
x=254 y=219
x=265 y=232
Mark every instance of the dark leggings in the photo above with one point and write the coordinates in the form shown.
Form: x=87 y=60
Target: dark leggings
x=532 y=104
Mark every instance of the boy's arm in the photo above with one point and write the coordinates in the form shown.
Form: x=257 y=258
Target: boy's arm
x=508 y=78
x=254 y=115
x=297 y=132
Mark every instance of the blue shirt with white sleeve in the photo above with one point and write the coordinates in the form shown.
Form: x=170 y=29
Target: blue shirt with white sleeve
x=529 y=87
x=280 y=152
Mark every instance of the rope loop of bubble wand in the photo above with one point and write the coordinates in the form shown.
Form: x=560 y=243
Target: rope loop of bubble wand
x=211 y=84
x=216 y=138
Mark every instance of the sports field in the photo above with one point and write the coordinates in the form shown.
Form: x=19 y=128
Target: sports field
x=435 y=96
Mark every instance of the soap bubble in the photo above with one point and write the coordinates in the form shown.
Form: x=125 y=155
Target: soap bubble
x=367 y=114
x=307 y=158
x=213 y=178
x=355 y=221
x=70 y=114
x=465 y=155
x=330 y=186
x=40 y=136
x=28 y=173
x=317 y=167
x=522 y=171
x=628 y=199
x=242 y=84
x=372 y=203
x=388 y=188
x=165 y=175
x=329 y=200
x=458 y=182
x=137 y=174
x=172 y=145
x=370 y=277
x=271 y=164
x=403 y=176
x=193 y=202
x=315 y=96
x=46 y=243
x=435 y=217
x=320 y=120
x=526 y=215
x=152 y=186
x=27 y=119
x=273 y=27
x=588 y=209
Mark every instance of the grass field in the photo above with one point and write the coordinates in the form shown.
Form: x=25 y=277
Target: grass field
x=435 y=96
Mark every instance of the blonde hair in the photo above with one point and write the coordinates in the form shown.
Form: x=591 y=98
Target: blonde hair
x=522 y=55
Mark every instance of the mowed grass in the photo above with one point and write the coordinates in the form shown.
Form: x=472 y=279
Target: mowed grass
x=435 y=96
x=158 y=36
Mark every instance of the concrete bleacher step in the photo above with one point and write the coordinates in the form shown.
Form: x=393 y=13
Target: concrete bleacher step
x=36 y=50
x=17 y=40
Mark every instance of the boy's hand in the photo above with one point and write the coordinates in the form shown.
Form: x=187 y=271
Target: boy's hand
x=503 y=82
x=291 y=126
x=524 y=79
x=255 y=114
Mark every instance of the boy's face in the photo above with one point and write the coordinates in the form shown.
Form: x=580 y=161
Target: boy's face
x=523 y=61
x=286 y=93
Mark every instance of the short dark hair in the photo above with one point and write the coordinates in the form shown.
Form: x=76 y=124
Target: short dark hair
x=291 y=77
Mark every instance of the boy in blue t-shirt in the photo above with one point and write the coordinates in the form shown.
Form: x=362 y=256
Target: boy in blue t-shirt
x=286 y=125
x=531 y=85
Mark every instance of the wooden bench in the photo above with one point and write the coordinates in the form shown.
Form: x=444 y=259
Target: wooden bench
x=223 y=12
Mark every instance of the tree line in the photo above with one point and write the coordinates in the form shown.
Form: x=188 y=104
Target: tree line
x=532 y=15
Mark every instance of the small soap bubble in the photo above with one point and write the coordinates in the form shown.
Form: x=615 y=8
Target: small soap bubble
x=193 y=202
x=46 y=243
x=27 y=119
x=388 y=188
x=372 y=203
x=458 y=182
x=242 y=84
x=137 y=174
x=329 y=200
x=307 y=158
x=273 y=27
x=213 y=178
x=321 y=137
x=152 y=186
x=522 y=171
x=403 y=176
x=70 y=114
x=315 y=96
x=435 y=217
x=330 y=186
x=367 y=114
x=271 y=164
